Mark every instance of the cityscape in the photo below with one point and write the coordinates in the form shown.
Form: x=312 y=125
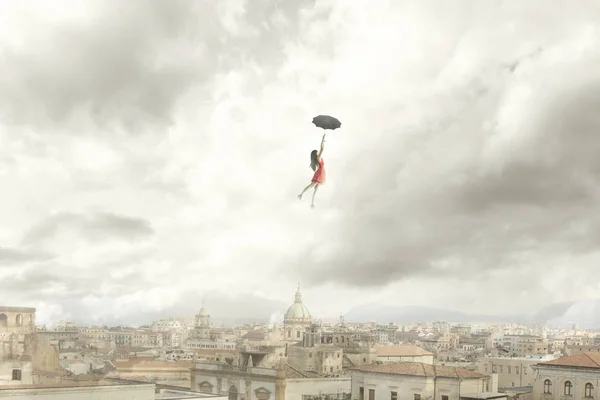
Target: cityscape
x=299 y=200
x=300 y=358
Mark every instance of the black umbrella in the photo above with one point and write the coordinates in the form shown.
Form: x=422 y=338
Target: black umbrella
x=326 y=122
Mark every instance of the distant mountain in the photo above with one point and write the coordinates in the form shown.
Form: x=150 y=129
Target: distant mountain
x=585 y=313
x=411 y=314
x=564 y=315
x=553 y=311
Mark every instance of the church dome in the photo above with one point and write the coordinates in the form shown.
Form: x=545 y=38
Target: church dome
x=203 y=312
x=297 y=311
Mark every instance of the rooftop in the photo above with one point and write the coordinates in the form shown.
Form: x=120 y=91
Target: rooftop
x=255 y=335
x=533 y=357
x=405 y=350
x=17 y=309
x=102 y=383
x=140 y=363
x=421 y=369
x=290 y=372
x=172 y=394
x=293 y=373
x=581 y=360
x=485 y=396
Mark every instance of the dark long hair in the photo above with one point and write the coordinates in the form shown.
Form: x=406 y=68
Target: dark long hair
x=314 y=160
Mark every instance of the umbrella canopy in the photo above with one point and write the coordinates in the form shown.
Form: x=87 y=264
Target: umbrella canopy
x=326 y=122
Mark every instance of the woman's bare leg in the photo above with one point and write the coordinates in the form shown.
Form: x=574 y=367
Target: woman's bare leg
x=306 y=188
x=313 y=198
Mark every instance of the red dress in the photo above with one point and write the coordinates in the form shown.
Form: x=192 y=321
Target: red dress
x=319 y=175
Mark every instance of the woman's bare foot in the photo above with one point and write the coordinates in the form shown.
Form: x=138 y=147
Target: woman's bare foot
x=299 y=197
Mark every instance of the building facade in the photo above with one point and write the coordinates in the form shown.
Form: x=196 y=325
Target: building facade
x=297 y=320
x=410 y=381
x=570 y=377
x=255 y=383
x=17 y=345
x=512 y=371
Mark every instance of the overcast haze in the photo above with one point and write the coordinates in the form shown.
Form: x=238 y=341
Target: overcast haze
x=151 y=153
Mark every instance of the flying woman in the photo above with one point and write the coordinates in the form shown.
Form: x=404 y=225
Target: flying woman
x=318 y=165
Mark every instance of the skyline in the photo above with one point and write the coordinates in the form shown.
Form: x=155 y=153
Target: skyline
x=151 y=154
x=553 y=316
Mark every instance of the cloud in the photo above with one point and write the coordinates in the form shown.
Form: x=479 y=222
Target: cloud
x=92 y=227
x=503 y=171
x=110 y=65
x=156 y=150
x=12 y=256
x=143 y=306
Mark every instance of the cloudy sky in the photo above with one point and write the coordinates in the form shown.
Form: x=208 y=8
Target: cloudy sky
x=151 y=153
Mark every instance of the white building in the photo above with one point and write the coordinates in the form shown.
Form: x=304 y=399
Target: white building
x=512 y=371
x=419 y=381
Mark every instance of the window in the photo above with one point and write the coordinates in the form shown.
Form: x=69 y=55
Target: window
x=394 y=396
x=371 y=394
x=19 y=320
x=508 y=369
x=547 y=386
x=233 y=393
x=517 y=370
x=297 y=334
x=485 y=367
x=361 y=393
x=444 y=397
x=502 y=369
x=417 y=396
x=289 y=333
x=16 y=374
x=589 y=388
x=568 y=388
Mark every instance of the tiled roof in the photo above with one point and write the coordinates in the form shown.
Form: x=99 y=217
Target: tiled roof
x=402 y=350
x=294 y=373
x=255 y=335
x=153 y=364
x=421 y=369
x=583 y=360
